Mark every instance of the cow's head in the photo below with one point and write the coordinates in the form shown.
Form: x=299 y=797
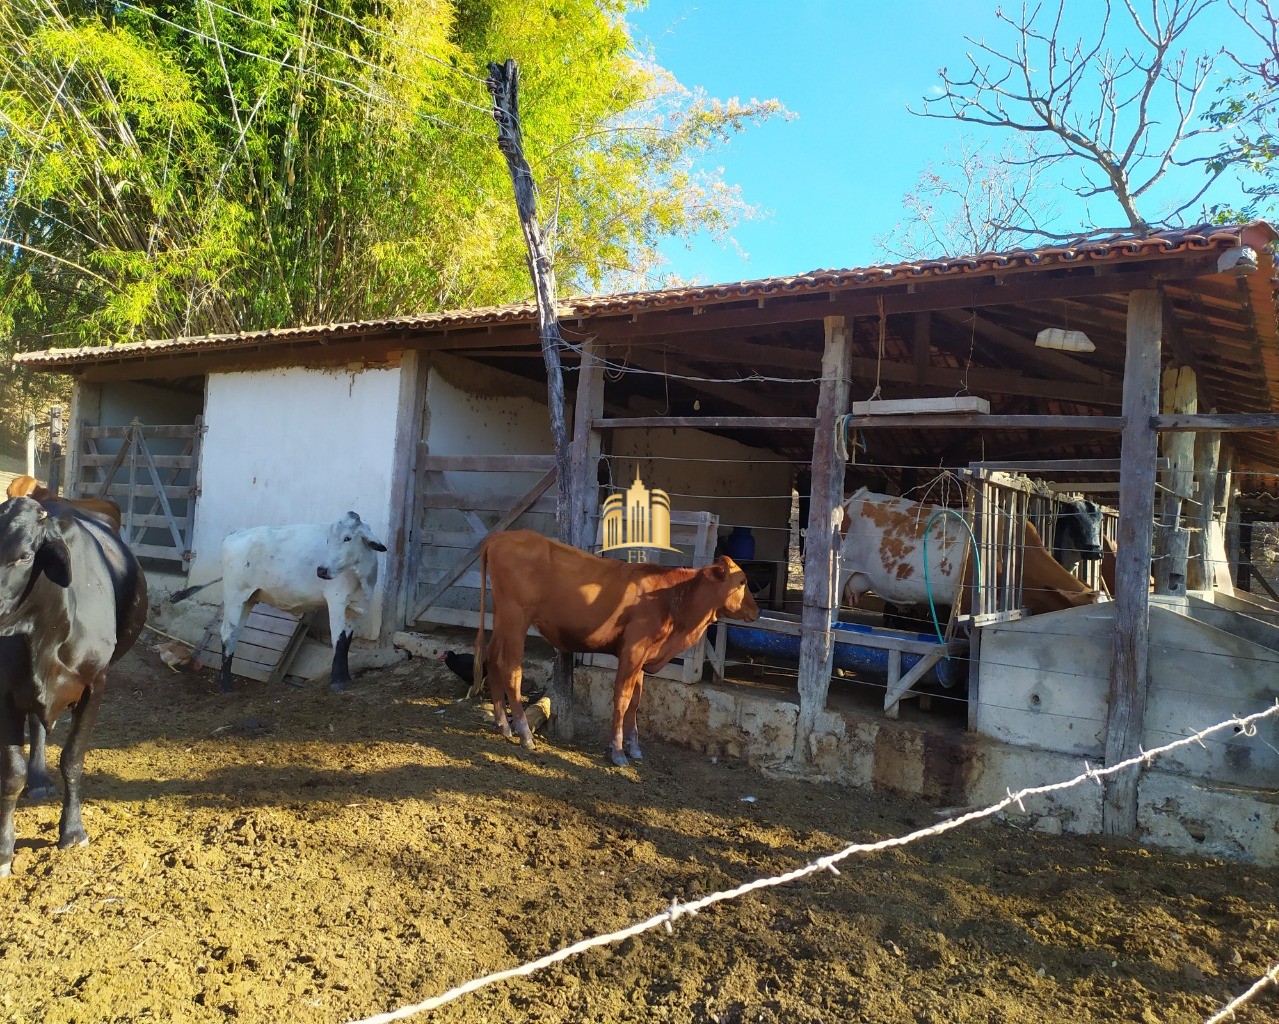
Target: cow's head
x=1077 y=534
x=32 y=543
x=733 y=592
x=350 y=547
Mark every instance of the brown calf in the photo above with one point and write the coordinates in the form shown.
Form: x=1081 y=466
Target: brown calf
x=644 y=615
x=28 y=487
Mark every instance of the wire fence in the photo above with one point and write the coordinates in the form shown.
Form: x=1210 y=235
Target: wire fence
x=667 y=918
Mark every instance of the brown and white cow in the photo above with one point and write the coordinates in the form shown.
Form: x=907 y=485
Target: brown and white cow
x=644 y=615
x=884 y=548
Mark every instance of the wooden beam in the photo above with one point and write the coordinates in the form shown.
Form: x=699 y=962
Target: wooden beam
x=979 y=378
x=1130 y=648
x=1057 y=466
x=975 y=422
x=585 y=454
x=1025 y=350
x=488 y=463
x=1224 y=423
x=921 y=345
x=708 y=422
x=820 y=562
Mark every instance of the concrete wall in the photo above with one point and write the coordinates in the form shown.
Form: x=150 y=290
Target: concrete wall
x=1045 y=682
x=295 y=445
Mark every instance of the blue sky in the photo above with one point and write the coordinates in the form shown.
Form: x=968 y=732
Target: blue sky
x=832 y=178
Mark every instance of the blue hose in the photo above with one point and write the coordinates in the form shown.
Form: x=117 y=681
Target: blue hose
x=932 y=607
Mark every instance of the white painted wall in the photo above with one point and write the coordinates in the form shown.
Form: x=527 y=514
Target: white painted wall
x=296 y=445
x=476 y=410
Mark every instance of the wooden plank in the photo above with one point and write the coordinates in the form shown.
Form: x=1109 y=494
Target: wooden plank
x=483 y=502
x=707 y=422
x=1056 y=466
x=183 y=492
x=161 y=461
x=822 y=545
x=159 y=551
x=897 y=690
x=515 y=510
x=1207 y=421
x=160 y=430
x=437 y=481
x=262 y=652
x=1129 y=668
x=921 y=406
x=975 y=422
x=488 y=463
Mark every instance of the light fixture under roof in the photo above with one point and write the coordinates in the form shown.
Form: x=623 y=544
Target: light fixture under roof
x=1238 y=262
x=1063 y=340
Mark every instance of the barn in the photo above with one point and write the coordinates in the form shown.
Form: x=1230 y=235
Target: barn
x=1140 y=372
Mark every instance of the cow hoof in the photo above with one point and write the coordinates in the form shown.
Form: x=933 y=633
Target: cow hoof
x=617 y=757
x=634 y=753
x=77 y=838
x=336 y=686
x=6 y=870
x=42 y=791
x=224 y=687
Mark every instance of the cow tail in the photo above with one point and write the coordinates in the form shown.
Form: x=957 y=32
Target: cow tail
x=183 y=594
x=478 y=671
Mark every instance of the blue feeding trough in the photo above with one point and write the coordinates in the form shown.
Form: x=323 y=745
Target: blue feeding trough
x=851 y=657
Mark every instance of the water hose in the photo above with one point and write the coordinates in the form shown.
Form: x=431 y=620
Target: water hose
x=928 y=585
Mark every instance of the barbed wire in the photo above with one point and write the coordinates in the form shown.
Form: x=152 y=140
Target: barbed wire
x=667 y=918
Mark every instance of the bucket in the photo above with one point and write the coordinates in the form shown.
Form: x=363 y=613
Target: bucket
x=740 y=544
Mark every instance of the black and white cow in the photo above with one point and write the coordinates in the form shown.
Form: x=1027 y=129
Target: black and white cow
x=300 y=568
x=73 y=600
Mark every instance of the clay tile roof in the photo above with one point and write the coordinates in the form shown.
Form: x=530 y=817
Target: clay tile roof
x=1108 y=249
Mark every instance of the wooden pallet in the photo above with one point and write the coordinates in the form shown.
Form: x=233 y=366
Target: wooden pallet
x=266 y=648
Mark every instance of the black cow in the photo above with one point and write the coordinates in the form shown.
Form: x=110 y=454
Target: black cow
x=73 y=600
x=1077 y=535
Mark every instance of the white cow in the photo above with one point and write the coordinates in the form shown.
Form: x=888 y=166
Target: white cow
x=300 y=568
x=884 y=549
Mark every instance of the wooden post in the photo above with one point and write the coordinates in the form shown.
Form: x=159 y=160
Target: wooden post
x=585 y=455
x=1180 y=395
x=503 y=82
x=1243 y=557
x=1199 y=574
x=1223 y=532
x=401 y=555
x=1125 y=721
x=822 y=540
x=31 y=444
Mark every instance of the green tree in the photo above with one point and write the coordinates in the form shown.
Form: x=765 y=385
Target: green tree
x=207 y=166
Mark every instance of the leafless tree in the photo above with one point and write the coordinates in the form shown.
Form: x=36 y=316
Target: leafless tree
x=960 y=204
x=1092 y=102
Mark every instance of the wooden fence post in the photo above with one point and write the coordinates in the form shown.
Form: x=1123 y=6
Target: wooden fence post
x=822 y=538
x=1125 y=720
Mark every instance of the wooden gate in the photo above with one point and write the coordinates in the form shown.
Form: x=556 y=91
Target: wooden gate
x=156 y=493
x=449 y=527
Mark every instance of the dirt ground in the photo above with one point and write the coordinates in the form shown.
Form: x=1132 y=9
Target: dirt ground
x=293 y=854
